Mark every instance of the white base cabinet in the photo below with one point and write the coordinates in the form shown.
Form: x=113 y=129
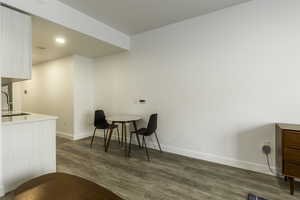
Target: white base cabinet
x=29 y=150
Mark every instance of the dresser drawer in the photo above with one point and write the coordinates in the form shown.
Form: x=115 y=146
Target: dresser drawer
x=291 y=169
x=291 y=139
x=292 y=155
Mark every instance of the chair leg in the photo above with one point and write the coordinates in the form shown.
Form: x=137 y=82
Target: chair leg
x=158 y=142
x=138 y=140
x=143 y=144
x=137 y=135
x=122 y=137
x=148 y=157
x=118 y=135
x=108 y=139
x=129 y=150
x=91 y=145
x=105 y=136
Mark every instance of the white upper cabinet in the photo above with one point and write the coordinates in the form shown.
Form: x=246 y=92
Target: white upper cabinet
x=15 y=44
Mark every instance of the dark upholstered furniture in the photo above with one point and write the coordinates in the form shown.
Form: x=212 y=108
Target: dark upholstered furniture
x=60 y=186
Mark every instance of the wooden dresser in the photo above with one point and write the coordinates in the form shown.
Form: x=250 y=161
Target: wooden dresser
x=288 y=152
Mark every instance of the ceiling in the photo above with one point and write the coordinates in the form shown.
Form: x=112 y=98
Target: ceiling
x=44 y=47
x=135 y=16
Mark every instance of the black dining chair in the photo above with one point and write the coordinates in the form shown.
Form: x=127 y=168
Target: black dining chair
x=146 y=132
x=101 y=123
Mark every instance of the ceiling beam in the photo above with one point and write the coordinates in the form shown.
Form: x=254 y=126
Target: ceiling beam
x=62 y=14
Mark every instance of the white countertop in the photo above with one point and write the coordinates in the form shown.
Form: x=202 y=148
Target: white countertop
x=33 y=117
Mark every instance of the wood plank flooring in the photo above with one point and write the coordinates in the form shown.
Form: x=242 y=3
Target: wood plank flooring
x=166 y=177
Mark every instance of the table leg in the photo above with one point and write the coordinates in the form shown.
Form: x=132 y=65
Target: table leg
x=125 y=137
x=137 y=135
x=118 y=135
x=108 y=140
x=105 y=135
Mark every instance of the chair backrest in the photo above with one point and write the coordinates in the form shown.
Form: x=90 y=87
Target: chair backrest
x=99 y=118
x=152 y=124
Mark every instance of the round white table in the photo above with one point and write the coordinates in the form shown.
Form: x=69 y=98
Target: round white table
x=124 y=119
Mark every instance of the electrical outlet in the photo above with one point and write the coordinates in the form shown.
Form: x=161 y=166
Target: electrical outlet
x=266 y=147
x=142 y=101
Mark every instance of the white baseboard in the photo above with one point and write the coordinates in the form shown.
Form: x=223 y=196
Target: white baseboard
x=199 y=155
x=213 y=158
x=220 y=160
x=81 y=136
x=64 y=135
x=71 y=136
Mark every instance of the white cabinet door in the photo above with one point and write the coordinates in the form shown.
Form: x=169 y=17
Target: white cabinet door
x=28 y=151
x=15 y=40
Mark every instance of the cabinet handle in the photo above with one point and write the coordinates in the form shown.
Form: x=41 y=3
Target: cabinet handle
x=293 y=147
x=293 y=163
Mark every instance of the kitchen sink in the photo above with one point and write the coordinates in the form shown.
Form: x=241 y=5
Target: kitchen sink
x=15 y=114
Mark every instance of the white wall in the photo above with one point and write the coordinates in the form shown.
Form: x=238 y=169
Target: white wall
x=1 y=157
x=1 y=141
x=17 y=96
x=4 y=98
x=219 y=82
x=63 y=88
x=51 y=92
x=83 y=90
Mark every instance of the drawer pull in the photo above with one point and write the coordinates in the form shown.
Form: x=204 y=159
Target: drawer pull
x=294 y=163
x=294 y=147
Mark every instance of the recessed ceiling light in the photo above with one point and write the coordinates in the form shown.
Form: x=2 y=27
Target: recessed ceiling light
x=60 y=40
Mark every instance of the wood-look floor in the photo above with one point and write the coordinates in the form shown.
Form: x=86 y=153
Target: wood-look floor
x=166 y=177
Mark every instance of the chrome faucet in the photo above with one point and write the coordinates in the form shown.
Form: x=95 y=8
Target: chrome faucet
x=9 y=104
